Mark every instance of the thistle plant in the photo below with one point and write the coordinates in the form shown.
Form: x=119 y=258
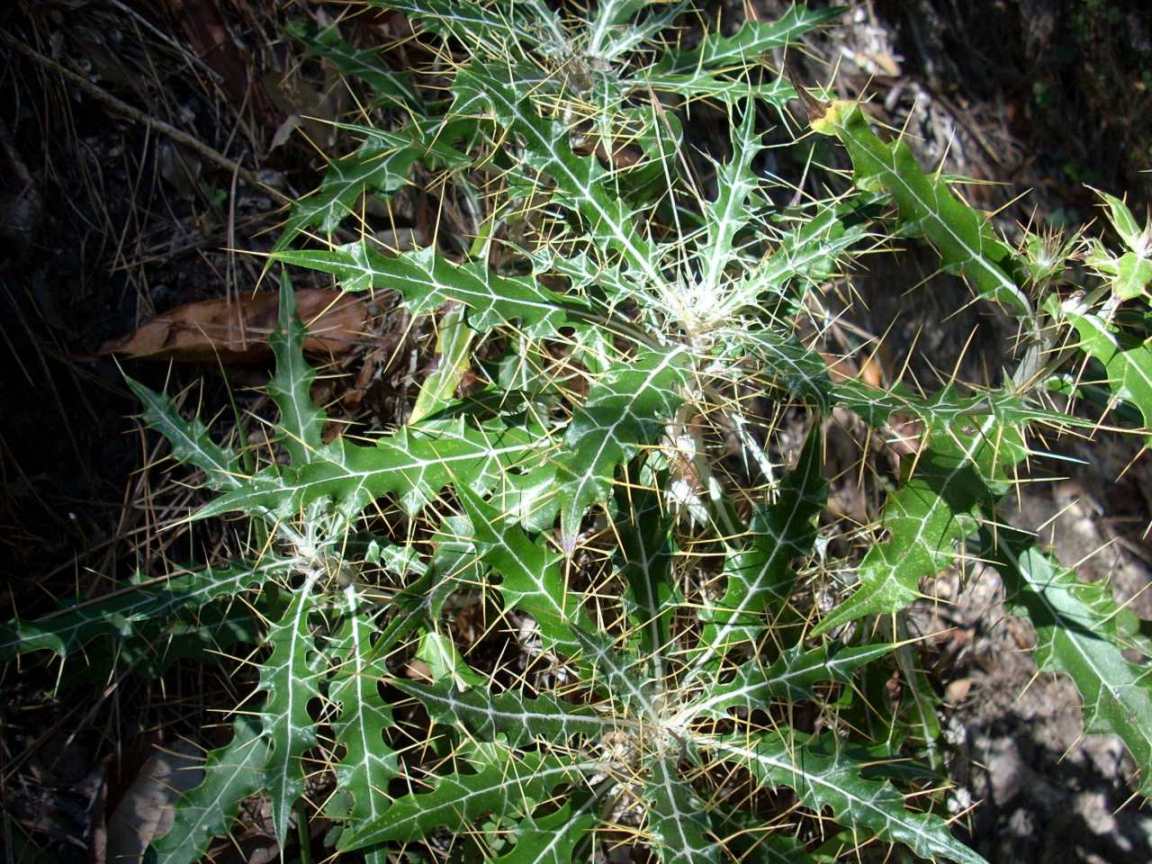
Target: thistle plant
x=610 y=491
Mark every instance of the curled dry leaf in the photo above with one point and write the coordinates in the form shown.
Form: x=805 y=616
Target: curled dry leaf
x=236 y=330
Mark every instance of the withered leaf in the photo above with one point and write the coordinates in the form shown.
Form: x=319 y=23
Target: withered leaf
x=236 y=330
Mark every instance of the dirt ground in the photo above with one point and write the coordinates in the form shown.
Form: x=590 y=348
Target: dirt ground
x=1027 y=95
x=106 y=220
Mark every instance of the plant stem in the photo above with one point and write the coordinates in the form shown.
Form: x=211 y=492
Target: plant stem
x=305 y=836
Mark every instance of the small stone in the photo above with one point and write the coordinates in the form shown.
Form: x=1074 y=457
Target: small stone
x=957 y=691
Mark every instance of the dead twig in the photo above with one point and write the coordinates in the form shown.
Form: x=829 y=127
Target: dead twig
x=124 y=109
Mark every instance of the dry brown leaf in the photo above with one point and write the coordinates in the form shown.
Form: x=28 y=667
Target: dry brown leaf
x=212 y=35
x=237 y=330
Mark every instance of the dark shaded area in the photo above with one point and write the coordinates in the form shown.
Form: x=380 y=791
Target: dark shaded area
x=1070 y=80
x=64 y=451
x=104 y=222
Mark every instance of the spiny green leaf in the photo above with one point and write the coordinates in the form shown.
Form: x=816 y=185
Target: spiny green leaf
x=208 y=635
x=937 y=507
x=759 y=574
x=646 y=551
x=792 y=677
x=804 y=374
x=231 y=774
x=967 y=243
x=532 y=575
x=778 y=849
x=699 y=84
x=581 y=182
x=420 y=602
x=786 y=363
x=372 y=168
x=806 y=256
x=728 y=213
x=289 y=683
x=823 y=778
x=750 y=840
x=529 y=498
x=414 y=463
x=609 y=18
x=1077 y=633
x=1127 y=362
x=657 y=134
x=677 y=821
x=414 y=607
x=380 y=165
x=1133 y=275
x=520 y=719
x=752 y=41
x=426 y=280
x=945 y=409
x=551 y=839
x=622 y=35
x=1123 y=221
x=453 y=345
x=189 y=439
x=458 y=799
x=455 y=560
x=291 y=387
x=389 y=85
x=621 y=676
x=496 y=29
x=368 y=763
x=626 y=408
x=128 y=609
x=445 y=663
x=1129 y=272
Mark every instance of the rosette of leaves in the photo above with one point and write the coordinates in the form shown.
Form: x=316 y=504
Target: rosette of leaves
x=662 y=730
x=609 y=486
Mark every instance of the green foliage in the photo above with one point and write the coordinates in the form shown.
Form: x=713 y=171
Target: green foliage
x=1130 y=272
x=823 y=777
x=1082 y=632
x=363 y=716
x=505 y=783
x=231 y=774
x=1126 y=357
x=381 y=165
x=612 y=495
x=125 y=613
x=927 y=207
x=427 y=280
x=936 y=508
